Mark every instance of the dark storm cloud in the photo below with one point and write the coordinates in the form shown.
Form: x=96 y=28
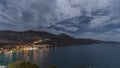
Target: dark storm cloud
x=97 y=19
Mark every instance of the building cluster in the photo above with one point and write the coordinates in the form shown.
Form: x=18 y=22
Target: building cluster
x=15 y=48
x=22 y=47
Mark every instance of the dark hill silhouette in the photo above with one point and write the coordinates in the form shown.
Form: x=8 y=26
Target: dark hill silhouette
x=12 y=37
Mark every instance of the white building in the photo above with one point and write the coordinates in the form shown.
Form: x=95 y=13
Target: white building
x=3 y=66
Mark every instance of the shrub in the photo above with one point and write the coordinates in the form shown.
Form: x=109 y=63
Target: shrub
x=22 y=64
x=52 y=67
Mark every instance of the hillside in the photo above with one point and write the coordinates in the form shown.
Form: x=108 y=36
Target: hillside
x=11 y=37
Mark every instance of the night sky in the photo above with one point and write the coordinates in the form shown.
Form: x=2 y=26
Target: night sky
x=96 y=19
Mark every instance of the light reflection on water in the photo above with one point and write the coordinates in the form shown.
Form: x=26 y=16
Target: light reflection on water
x=92 y=56
x=28 y=55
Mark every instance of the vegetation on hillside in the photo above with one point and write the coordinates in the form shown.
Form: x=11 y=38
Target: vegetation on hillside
x=52 y=67
x=22 y=64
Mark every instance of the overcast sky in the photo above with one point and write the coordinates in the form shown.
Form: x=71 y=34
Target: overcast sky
x=97 y=19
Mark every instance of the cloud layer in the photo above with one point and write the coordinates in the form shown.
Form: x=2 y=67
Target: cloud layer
x=98 y=19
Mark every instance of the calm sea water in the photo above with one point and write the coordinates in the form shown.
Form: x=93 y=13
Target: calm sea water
x=93 y=56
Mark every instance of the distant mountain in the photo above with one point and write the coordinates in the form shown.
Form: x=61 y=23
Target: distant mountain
x=11 y=37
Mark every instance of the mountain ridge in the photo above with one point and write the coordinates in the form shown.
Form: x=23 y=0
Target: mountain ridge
x=26 y=37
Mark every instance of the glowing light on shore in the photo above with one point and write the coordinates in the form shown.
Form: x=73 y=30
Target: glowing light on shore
x=32 y=48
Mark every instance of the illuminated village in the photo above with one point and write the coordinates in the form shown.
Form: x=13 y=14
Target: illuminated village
x=19 y=47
